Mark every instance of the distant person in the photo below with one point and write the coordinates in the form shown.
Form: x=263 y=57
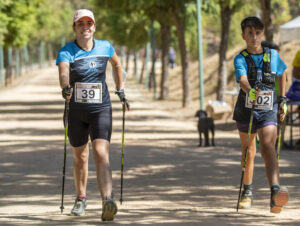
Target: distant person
x=296 y=66
x=172 y=57
x=82 y=66
x=296 y=77
x=257 y=67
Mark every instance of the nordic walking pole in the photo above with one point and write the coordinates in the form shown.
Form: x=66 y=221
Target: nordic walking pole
x=279 y=139
x=246 y=153
x=280 y=124
x=122 y=157
x=65 y=154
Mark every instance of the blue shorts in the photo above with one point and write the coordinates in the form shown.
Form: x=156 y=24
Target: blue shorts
x=244 y=127
x=82 y=123
x=261 y=118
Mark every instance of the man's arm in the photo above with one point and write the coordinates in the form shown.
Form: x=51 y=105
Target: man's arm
x=282 y=83
x=64 y=74
x=244 y=83
x=117 y=71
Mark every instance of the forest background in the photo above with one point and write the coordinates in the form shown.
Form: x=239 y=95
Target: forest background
x=142 y=32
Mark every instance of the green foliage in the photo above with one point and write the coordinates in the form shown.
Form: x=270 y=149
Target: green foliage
x=280 y=13
x=121 y=21
x=25 y=21
x=249 y=9
x=53 y=19
x=294 y=8
x=4 y=19
x=128 y=22
x=21 y=22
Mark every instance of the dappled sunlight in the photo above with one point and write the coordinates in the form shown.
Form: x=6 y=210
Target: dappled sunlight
x=290 y=175
x=168 y=179
x=224 y=162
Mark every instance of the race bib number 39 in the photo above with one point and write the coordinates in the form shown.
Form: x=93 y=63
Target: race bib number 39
x=88 y=92
x=264 y=101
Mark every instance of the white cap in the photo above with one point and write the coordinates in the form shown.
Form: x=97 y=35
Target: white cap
x=82 y=13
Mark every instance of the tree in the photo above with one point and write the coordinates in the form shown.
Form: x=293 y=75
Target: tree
x=294 y=8
x=4 y=19
x=178 y=15
x=274 y=13
x=21 y=23
x=50 y=28
x=165 y=37
x=228 y=8
x=159 y=11
x=267 y=20
x=147 y=11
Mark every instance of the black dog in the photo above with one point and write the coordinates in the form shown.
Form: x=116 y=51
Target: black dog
x=204 y=125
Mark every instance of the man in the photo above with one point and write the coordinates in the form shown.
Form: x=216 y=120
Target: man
x=256 y=68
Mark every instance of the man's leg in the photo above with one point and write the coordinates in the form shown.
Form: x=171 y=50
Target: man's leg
x=248 y=175
x=279 y=195
x=247 y=195
x=101 y=158
x=80 y=171
x=267 y=137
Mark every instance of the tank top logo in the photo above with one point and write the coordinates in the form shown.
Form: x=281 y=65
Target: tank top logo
x=92 y=64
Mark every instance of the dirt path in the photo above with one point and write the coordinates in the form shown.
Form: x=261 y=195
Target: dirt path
x=168 y=179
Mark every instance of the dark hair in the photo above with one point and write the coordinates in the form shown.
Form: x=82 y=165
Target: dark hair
x=270 y=45
x=252 y=21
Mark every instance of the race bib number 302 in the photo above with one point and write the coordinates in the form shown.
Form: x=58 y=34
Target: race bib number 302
x=264 y=101
x=88 y=92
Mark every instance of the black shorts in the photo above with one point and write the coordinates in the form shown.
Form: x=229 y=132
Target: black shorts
x=82 y=123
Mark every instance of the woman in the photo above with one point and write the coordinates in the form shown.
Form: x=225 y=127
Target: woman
x=82 y=66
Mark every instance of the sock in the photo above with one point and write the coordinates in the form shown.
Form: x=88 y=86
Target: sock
x=275 y=187
x=82 y=196
x=248 y=186
x=248 y=190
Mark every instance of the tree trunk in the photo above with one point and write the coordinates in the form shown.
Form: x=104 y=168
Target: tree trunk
x=186 y=99
x=143 y=68
x=226 y=15
x=50 y=53
x=165 y=40
x=30 y=58
x=152 y=80
x=135 y=65
x=152 y=72
x=21 y=62
x=267 y=20
x=127 y=60
x=7 y=66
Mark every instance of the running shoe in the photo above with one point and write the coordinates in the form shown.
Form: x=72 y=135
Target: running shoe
x=279 y=198
x=109 y=209
x=79 y=207
x=247 y=197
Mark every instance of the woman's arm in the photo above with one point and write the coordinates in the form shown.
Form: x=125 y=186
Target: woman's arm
x=64 y=74
x=117 y=71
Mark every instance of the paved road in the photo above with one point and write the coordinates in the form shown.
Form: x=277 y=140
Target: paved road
x=168 y=179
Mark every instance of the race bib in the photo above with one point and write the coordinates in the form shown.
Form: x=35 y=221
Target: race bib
x=264 y=101
x=88 y=92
